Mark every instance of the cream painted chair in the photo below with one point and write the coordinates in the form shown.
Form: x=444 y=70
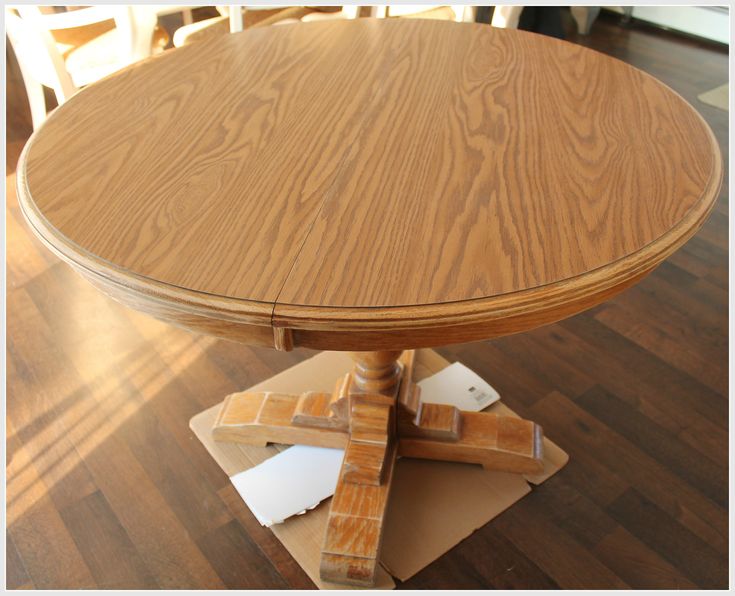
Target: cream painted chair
x=120 y=35
x=254 y=16
x=456 y=13
x=506 y=17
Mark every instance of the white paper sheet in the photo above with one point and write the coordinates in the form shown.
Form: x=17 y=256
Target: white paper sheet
x=459 y=386
x=289 y=483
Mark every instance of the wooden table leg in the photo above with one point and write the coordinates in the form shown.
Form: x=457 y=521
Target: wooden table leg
x=375 y=414
x=355 y=523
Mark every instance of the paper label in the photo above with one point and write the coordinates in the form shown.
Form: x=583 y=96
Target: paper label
x=457 y=385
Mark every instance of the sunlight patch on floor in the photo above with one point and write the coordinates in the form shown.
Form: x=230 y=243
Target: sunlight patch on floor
x=87 y=412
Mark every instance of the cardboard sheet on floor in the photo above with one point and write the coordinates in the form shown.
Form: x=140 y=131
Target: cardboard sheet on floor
x=433 y=505
x=718 y=97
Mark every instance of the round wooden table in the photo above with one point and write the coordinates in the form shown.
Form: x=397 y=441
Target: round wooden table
x=372 y=186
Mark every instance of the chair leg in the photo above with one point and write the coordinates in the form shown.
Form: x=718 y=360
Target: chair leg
x=36 y=100
x=36 y=97
x=584 y=16
x=506 y=17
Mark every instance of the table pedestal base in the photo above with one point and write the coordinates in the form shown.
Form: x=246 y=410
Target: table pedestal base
x=375 y=413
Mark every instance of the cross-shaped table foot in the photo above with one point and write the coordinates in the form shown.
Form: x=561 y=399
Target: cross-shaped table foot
x=375 y=414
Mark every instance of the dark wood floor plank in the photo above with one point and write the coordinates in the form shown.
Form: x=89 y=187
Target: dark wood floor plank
x=277 y=554
x=181 y=486
x=571 y=511
x=537 y=360
x=717 y=295
x=695 y=297
x=714 y=255
x=670 y=410
x=484 y=560
x=646 y=367
x=92 y=421
x=187 y=357
x=41 y=539
x=520 y=369
x=16 y=576
x=696 y=470
x=643 y=319
x=25 y=257
x=703 y=260
x=716 y=231
x=677 y=279
x=686 y=551
x=168 y=362
x=589 y=476
x=104 y=329
x=102 y=540
x=152 y=431
x=50 y=566
x=637 y=564
x=673 y=348
x=651 y=390
x=657 y=302
x=179 y=436
x=238 y=560
x=245 y=366
x=33 y=414
x=585 y=438
x=564 y=559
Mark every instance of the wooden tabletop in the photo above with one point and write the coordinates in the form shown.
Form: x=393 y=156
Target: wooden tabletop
x=370 y=183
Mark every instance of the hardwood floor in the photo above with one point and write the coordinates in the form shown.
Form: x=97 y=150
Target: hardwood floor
x=107 y=487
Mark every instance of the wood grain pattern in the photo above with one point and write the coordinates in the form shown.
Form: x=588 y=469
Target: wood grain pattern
x=493 y=211
x=439 y=421
x=233 y=158
x=573 y=531
x=355 y=526
x=262 y=418
x=497 y=442
x=520 y=161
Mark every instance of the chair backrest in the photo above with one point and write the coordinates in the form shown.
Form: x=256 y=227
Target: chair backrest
x=40 y=57
x=506 y=17
x=458 y=13
x=29 y=31
x=34 y=46
x=236 y=16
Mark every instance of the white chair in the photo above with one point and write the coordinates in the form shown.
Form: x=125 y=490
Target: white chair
x=506 y=17
x=236 y=17
x=456 y=13
x=235 y=20
x=64 y=67
x=586 y=15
